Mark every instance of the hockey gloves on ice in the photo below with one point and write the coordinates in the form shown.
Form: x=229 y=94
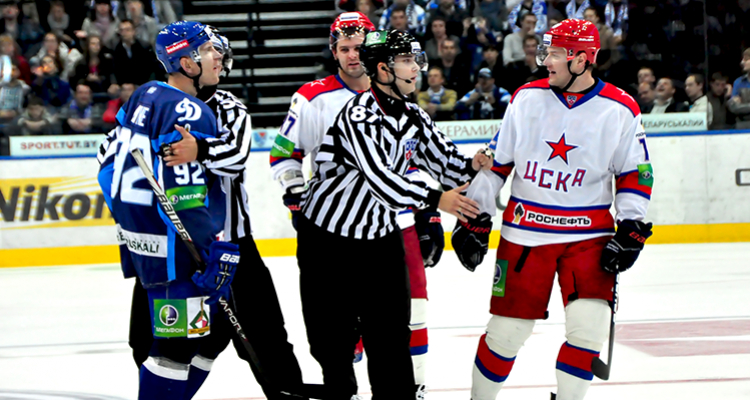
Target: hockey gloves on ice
x=622 y=251
x=431 y=236
x=470 y=240
x=221 y=264
x=291 y=201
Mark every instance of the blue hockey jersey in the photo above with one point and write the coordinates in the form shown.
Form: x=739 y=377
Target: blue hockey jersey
x=149 y=244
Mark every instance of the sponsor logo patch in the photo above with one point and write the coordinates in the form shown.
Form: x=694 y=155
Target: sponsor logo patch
x=557 y=220
x=143 y=243
x=177 y=46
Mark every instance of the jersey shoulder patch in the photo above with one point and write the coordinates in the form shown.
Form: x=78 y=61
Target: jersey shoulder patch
x=311 y=90
x=538 y=84
x=618 y=95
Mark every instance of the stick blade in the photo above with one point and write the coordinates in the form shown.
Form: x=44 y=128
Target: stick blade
x=600 y=369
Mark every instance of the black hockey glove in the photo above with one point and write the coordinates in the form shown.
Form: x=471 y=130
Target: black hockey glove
x=292 y=199
x=431 y=236
x=623 y=249
x=470 y=240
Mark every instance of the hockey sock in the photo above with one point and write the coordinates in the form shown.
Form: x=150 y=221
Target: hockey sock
x=491 y=369
x=199 y=369
x=574 y=371
x=162 y=379
x=419 y=346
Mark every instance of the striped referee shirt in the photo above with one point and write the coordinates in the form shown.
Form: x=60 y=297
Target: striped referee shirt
x=226 y=157
x=360 y=183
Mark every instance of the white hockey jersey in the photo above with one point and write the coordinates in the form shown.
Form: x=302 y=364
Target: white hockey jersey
x=566 y=149
x=312 y=111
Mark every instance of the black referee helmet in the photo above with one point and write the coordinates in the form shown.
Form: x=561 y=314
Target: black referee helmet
x=384 y=46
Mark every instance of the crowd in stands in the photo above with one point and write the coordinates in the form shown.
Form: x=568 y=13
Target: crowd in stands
x=71 y=64
x=659 y=51
x=67 y=67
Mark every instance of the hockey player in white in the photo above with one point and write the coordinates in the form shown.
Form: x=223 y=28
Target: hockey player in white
x=312 y=111
x=564 y=139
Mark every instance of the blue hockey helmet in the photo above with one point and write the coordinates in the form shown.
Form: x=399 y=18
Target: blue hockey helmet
x=180 y=39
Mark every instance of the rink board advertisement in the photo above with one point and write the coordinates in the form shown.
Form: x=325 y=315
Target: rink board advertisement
x=53 y=211
x=52 y=203
x=24 y=146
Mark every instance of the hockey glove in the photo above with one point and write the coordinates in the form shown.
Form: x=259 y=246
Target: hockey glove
x=431 y=236
x=292 y=199
x=221 y=264
x=470 y=240
x=623 y=249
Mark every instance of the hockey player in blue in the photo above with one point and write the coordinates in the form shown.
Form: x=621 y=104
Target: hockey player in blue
x=180 y=298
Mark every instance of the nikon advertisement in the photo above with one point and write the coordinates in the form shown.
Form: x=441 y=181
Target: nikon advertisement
x=51 y=203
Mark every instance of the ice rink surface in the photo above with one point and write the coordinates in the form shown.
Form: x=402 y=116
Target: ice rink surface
x=683 y=332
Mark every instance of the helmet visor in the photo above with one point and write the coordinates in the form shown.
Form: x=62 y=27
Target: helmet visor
x=408 y=60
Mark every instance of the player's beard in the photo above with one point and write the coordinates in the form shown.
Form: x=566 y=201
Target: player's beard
x=351 y=75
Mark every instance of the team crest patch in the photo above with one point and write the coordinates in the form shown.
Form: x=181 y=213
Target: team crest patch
x=409 y=148
x=571 y=100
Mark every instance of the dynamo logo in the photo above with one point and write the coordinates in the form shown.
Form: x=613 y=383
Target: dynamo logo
x=168 y=315
x=191 y=110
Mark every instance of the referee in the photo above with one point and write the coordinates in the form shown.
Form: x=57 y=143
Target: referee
x=353 y=278
x=253 y=294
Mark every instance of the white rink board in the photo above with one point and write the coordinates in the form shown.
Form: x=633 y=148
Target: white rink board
x=695 y=182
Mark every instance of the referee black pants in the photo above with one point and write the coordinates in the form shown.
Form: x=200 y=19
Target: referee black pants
x=256 y=305
x=350 y=288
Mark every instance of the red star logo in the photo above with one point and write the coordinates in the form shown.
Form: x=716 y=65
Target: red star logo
x=560 y=149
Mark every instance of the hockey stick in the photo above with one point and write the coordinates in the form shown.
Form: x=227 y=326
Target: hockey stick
x=598 y=367
x=304 y=390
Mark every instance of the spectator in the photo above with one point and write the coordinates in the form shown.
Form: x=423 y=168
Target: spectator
x=527 y=70
x=456 y=72
x=36 y=119
x=485 y=101
x=437 y=100
x=718 y=95
x=368 y=8
x=54 y=91
x=96 y=65
x=739 y=104
x=536 y=7
x=513 y=50
x=698 y=101
x=26 y=32
x=81 y=115
x=101 y=22
x=414 y=13
x=12 y=94
x=54 y=47
x=145 y=26
x=114 y=105
x=616 y=17
x=164 y=13
x=133 y=60
x=645 y=74
x=664 y=101
x=646 y=96
x=495 y=13
x=59 y=21
x=490 y=55
x=398 y=19
x=608 y=53
x=454 y=16
x=439 y=35
x=434 y=4
x=575 y=8
x=9 y=47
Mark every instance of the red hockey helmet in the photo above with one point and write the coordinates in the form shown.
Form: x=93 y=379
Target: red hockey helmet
x=349 y=24
x=575 y=36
